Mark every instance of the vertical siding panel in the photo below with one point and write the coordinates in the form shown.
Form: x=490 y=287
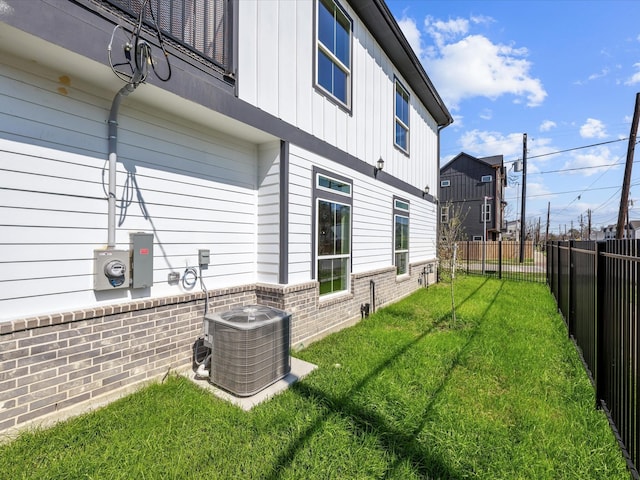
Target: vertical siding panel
x=368 y=115
x=379 y=144
x=269 y=60
x=360 y=104
x=248 y=78
x=288 y=69
x=305 y=51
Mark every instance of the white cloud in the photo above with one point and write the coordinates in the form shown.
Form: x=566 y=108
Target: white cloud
x=443 y=31
x=603 y=73
x=547 y=125
x=595 y=160
x=485 y=143
x=458 y=121
x=413 y=35
x=593 y=128
x=464 y=65
x=635 y=78
x=486 y=114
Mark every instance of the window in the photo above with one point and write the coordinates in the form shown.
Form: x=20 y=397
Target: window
x=445 y=183
x=401 y=237
x=486 y=179
x=477 y=238
x=401 y=137
x=333 y=51
x=444 y=214
x=333 y=232
x=485 y=212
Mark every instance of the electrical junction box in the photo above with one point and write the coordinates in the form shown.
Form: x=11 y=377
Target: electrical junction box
x=111 y=269
x=203 y=257
x=141 y=259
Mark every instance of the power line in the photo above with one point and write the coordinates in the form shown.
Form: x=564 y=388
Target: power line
x=572 y=149
x=578 y=148
x=578 y=168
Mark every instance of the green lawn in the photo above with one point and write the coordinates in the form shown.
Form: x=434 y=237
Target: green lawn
x=404 y=394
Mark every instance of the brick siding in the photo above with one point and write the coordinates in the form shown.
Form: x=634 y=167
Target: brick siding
x=53 y=365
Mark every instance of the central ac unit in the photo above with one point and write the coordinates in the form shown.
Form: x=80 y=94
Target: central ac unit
x=249 y=348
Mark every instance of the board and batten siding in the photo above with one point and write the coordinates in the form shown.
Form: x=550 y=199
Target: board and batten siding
x=372 y=219
x=189 y=185
x=276 y=74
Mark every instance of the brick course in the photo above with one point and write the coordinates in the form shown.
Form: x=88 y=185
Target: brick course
x=70 y=360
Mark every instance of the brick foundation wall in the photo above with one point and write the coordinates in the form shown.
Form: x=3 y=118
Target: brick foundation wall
x=54 y=366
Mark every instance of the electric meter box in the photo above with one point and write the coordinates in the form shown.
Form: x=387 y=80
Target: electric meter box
x=141 y=259
x=111 y=269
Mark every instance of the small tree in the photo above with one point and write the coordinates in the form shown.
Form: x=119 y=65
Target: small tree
x=451 y=232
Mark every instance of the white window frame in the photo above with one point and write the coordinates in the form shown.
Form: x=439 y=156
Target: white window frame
x=445 y=183
x=486 y=179
x=341 y=194
x=321 y=48
x=399 y=90
x=444 y=214
x=477 y=238
x=401 y=214
x=485 y=215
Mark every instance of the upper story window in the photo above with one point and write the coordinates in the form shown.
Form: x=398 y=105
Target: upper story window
x=202 y=27
x=445 y=183
x=333 y=52
x=401 y=134
x=486 y=179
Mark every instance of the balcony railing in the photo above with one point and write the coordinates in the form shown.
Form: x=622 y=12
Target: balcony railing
x=202 y=26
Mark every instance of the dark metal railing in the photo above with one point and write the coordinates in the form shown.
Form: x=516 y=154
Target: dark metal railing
x=596 y=286
x=202 y=26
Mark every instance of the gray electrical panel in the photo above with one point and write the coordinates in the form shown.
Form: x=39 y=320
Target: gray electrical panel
x=141 y=259
x=203 y=257
x=111 y=269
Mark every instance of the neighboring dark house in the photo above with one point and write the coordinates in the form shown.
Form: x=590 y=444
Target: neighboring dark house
x=464 y=183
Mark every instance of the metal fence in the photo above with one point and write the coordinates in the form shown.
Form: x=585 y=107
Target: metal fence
x=502 y=260
x=596 y=288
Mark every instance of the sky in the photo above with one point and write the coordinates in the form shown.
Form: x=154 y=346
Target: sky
x=565 y=72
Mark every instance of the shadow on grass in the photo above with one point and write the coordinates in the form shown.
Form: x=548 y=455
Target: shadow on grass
x=402 y=444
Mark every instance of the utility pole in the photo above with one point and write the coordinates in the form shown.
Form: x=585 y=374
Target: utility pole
x=571 y=231
x=524 y=196
x=546 y=236
x=589 y=224
x=624 y=197
x=581 y=228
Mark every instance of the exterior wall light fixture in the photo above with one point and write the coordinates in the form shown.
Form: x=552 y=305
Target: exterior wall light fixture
x=425 y=191
x=379 y=166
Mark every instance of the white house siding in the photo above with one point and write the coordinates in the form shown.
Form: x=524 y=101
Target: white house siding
x=275 y=73
x=372 y=217
x=188 y=185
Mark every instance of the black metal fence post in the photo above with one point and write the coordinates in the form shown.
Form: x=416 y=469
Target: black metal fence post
x=598 y=370
x=500 y=259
